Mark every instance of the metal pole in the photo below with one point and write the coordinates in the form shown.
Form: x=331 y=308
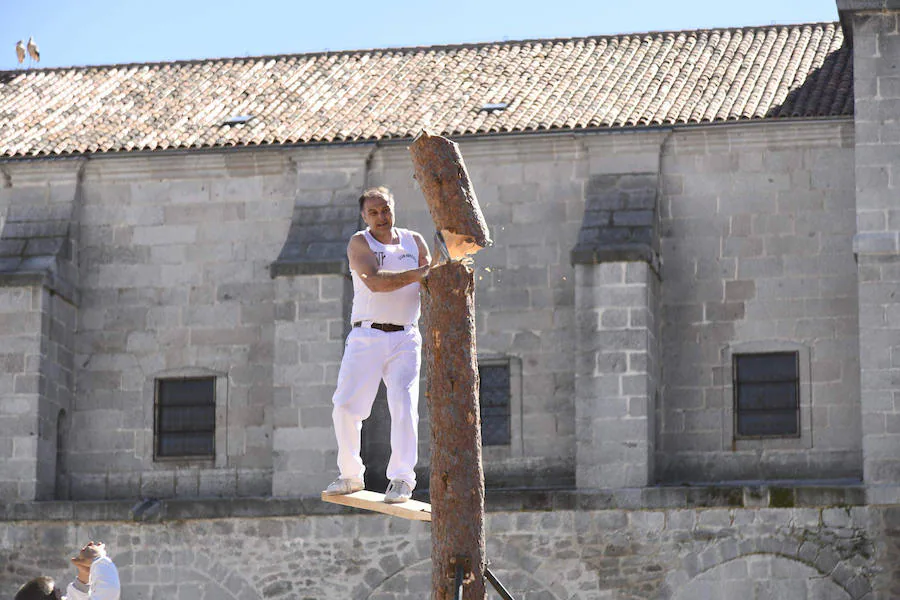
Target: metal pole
x=459 y=581
x=497 y=585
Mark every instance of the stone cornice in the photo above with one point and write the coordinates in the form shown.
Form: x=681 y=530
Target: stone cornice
x=848 y=7
x=62 y=171
x=856 y=5
x=244 y=162
x=763 y=495
x=45 y=278
x=523 y=147
x=617 y=253
x=765 y=136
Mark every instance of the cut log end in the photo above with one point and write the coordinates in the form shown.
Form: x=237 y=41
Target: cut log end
x=444 y=180
x=460 y=246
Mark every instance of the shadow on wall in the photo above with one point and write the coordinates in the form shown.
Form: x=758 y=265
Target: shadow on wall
x=61 y=491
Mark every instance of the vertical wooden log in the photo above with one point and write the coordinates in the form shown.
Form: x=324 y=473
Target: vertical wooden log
x=457 y=475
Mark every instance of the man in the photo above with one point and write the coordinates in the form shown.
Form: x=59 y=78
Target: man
x=96 y=579
x=386 y=264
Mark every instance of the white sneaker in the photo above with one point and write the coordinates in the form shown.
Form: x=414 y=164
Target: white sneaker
x=341 y=486
x=397 y=491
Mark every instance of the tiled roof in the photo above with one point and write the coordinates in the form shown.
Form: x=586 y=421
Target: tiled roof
x=597 y=82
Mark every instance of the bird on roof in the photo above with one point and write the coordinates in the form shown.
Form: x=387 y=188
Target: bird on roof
x=20 y=51
x=33 y=51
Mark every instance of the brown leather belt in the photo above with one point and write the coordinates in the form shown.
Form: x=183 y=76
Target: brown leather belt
x=388 y=327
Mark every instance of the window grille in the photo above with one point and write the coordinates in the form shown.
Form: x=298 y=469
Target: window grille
x=494 y=396
x=767 y=395
x=186 y=418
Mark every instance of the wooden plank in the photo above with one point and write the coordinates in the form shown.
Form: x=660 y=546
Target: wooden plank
x=411 y=509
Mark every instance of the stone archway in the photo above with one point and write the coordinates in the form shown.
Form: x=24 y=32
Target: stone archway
x=794 y=570
x=762 y=576
x=410 y=583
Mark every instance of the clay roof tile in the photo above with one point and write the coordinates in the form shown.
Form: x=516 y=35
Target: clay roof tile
x=596 y=82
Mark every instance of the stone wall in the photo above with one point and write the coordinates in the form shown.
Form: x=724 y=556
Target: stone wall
x=532 y=197
x=231 y=266
x=565 y=546
x=757 y=226
x=617 y=379
x=310 y=330
x=36 y=379
x=56 y=386
x=38 y=283
x=20 y=340
x=228 y=265
x=176 y=282
x=876 y=50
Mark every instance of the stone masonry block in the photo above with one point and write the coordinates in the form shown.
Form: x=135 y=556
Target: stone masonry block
x=613 y=318
x=323 y=180
x=157 y=484
x=187 y=482
x=164 y=235
x=876 y=243
x=727 y=311
x=626 y=296
x=220 y=483
x=630 y=218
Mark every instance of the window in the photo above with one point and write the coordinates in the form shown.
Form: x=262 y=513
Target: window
x=494 y=395
x=767 y=395
x=185 y=418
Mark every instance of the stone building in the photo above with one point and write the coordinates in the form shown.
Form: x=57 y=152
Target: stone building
x=688 y=327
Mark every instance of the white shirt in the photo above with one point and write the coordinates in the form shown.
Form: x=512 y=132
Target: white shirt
x=401 y=306
x=103 y=583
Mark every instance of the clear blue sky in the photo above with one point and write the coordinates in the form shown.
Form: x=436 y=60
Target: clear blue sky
x=80 y=32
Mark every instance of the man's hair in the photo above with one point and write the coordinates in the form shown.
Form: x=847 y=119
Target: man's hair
x=376 y=192
x=39 y=588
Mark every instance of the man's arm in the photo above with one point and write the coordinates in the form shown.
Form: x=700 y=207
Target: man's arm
x=362 y=260
x=104 y=580
x=424 y=254
x=104 y=583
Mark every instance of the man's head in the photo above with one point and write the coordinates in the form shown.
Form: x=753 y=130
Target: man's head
x=377 y=208
x=39 y=588
x=88 y=553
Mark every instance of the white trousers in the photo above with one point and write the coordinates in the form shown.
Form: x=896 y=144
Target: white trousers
x=371 y=355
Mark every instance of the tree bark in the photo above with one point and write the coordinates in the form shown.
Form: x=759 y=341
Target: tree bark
x=457 y=476
x=451 y=199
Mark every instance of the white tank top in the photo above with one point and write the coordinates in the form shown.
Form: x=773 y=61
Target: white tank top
x=400 y=307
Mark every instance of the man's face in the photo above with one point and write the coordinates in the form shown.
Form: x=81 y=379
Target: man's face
x=378 y=214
